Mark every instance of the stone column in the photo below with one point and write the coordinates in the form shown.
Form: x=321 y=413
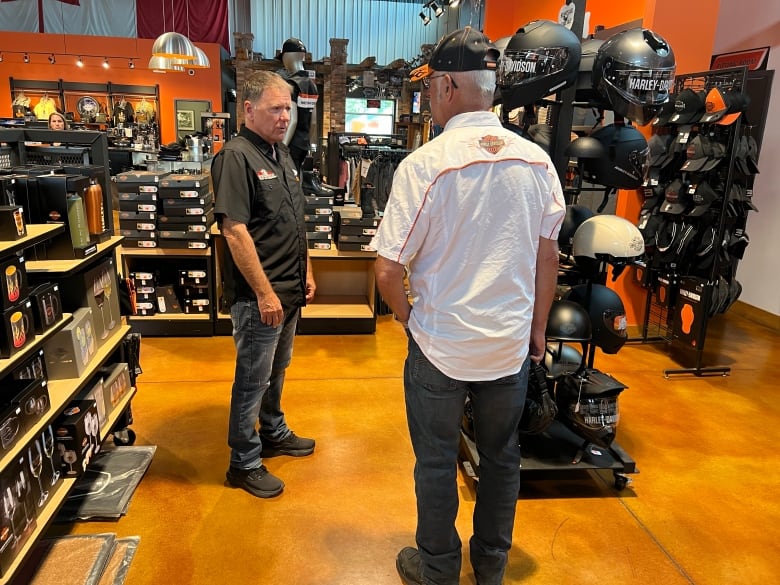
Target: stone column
x=338 y=84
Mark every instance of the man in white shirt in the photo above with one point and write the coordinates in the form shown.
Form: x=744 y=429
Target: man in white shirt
x=473 y=218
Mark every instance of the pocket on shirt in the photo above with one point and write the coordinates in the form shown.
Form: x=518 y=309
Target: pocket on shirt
x=268 y=201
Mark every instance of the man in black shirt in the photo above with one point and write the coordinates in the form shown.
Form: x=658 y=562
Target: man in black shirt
x=268 y=277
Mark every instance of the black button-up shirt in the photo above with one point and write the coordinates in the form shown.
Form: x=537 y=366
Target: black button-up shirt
x=253 y=188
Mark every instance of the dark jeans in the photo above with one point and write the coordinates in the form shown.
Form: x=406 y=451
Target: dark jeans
x=262 y=356
x=434 y=410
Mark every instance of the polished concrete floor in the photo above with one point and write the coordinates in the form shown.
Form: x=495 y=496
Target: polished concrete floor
x=702 y=510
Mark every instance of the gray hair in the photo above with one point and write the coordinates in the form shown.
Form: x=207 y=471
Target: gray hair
x=482 y=81
x=256 y=83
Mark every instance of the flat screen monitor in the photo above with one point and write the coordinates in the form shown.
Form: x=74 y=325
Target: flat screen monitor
x=369 y=116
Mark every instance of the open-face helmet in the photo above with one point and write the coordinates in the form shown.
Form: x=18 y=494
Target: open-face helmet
x=634 y=72
x=606 y=312
x=540 y=59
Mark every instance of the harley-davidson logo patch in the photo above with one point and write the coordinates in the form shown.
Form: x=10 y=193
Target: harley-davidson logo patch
x=493 y=144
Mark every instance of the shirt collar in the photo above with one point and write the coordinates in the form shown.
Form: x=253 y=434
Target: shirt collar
x=467 y=119
x=255 y=139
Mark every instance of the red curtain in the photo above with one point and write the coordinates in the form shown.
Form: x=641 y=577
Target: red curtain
x=201 y=20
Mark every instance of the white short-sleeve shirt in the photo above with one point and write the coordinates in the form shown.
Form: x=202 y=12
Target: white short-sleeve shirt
x=465 y=215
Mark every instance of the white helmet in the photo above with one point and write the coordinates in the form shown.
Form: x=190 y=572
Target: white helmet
x=607 y=235
x=606 y=238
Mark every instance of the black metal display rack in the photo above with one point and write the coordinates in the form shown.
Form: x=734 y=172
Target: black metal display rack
x=681 y=298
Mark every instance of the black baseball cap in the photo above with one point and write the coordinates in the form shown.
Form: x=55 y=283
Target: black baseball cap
x=667 y=111
x=703 y=197
x=463 y=50
x=292 y=45
x=676 y=198
x=697 y=155
x=689 y=105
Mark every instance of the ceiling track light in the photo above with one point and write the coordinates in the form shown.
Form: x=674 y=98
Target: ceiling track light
x=26 y=58
x=131 y=65
x=437 y=10
x=80 y=62
x=425 y=18
x=52 y=59
x=105 y=63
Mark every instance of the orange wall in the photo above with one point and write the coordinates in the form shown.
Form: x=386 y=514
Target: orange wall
x=504 y=17
x=205 y=84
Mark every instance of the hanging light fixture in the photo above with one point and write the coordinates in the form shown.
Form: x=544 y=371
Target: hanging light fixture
x=173 y=45
x=164 y=64
x=201 y=60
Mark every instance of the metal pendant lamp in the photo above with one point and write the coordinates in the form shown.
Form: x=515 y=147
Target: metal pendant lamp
x=174 y=45
x=165 y=64
x=201 y=60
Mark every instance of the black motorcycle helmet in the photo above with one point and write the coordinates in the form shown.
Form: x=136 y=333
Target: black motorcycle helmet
x=575 y=216
x=540 y=59
x=634 y=72
x=606 y=312
x=625 y=161
x=567 y=321
x=588 y=405
x=560 y=359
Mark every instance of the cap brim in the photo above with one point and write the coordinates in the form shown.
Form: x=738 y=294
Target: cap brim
x=699 y=210
x=693 y=165
x=421 y=72
x=729 y=119
x=711 y=164
x=673 y=208
x=712 y=117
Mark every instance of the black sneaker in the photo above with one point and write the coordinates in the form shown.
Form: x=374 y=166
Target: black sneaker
x=409 y=565
x=292 y=445
x=258 y=482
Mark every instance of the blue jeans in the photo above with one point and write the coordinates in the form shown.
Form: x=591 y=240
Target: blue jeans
x=434 y=410
x=262 y=356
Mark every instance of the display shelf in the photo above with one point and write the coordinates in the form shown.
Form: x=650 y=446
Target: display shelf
x=557 y=450
x=71 y=266
x=346 y=293
x=36 y=233
x=7 y=364
x=61 y=392
x=163 y=252
x=116 y=412
x=338 y=306
x=167 y=260
x=43 y=520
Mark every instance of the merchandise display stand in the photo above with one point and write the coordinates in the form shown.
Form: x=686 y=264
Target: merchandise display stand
x=682 y=298
x=557 y=451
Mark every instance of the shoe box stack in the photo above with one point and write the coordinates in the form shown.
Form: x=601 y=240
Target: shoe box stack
x=163 y=210
x=319 y=221
x=187 y=212
x=356 y=232
x=139 y=195
x=145 y=293
x=194 y=291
